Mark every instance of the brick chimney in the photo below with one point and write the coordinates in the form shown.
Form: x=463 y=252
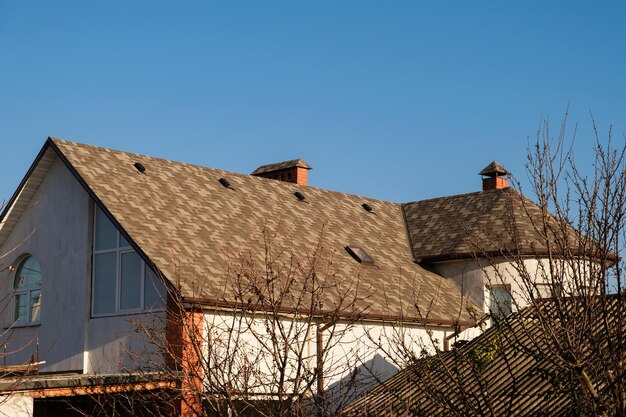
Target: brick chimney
x=496 y=176
x=295 y=171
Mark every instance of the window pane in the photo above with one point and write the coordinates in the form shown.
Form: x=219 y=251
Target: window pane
x=154 y=291
x=28 y=274
x=20 y=307
x=35 y=305
x=123 y=242
x=106 y=233
x=131 y=281
x=104 y=283
x=500 y=302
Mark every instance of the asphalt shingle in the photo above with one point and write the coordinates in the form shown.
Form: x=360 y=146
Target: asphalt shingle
x=195 y=231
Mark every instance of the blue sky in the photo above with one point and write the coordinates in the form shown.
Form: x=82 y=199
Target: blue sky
x=398 y=100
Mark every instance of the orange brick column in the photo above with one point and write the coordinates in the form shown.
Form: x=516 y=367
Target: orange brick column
x=184 y=354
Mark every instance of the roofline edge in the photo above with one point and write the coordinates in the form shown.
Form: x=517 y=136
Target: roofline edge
x=210 y=302
x=22 y=183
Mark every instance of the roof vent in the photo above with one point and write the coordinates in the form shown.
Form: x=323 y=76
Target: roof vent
x=367 y=207
x=359 y=254
x=140 y=167
x=295 y=171
x=496 y=176
x=224 y=182
x=299 y=195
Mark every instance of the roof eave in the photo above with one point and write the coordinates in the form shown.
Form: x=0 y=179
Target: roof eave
x=20 y=187
x=211 y=303
x=526 y=253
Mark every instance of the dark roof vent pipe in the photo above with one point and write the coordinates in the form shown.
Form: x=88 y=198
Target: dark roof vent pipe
x=139 y=166
x=224 y=182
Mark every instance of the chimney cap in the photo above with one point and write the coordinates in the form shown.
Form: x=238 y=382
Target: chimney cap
x=278 y=166
x=494 y=169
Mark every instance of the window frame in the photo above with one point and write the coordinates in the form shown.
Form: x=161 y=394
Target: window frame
x=359 y=254
x=25 y=291
x=119 y=251
x=498 y=315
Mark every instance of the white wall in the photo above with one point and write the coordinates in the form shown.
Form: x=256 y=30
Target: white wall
x=473 y=278
x=125 y=343
x=364 y=354
x=16 y=406
x=56 y=228
x=357 y=355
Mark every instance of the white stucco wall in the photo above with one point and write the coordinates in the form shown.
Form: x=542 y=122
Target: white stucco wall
x=125 y=343
x=474 y=278
x=56 y=228
x=364 y=354
x=357 y=355
x=16 y=406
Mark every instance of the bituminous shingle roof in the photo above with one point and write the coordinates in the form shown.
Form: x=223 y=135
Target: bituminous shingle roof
x=513 y=370
x=204 y=228
x=301 y=163
x=192 y=229
x=492 y=221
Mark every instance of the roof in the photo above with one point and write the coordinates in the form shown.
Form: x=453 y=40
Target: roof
x=300 y=163
x=494 y=168
x=194 y=230
x=513 y=364
x=493 y=222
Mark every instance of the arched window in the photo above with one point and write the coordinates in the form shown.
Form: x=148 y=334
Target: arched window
x=27 y=288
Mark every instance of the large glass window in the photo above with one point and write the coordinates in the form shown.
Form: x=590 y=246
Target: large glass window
x=500 y=301
x=27 y=292
x=122 y=282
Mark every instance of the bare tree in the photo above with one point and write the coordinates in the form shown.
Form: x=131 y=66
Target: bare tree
x=12 y=374
x=562 y=350
x=266 y=348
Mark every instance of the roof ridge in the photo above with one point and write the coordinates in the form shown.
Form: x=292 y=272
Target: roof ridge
x=239 y=174
x=455 y=196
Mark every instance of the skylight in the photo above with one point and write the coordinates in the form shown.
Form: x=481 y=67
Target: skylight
x=360 y=255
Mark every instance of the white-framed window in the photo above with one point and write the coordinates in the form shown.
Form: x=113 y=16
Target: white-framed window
x=548 y=290
x=500 y=301
x=27 y=292
x=122 y=282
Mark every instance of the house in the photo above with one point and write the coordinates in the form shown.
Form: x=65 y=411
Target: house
x=97 y=243
x=517 y=368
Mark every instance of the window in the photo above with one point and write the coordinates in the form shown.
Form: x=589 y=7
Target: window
x=121 y=280
x=549 y=290
x=500 y=304
x=359 y=254
x=27 y=296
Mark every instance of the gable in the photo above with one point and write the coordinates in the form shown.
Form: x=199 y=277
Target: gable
x=25 y=191
x=54 y=229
